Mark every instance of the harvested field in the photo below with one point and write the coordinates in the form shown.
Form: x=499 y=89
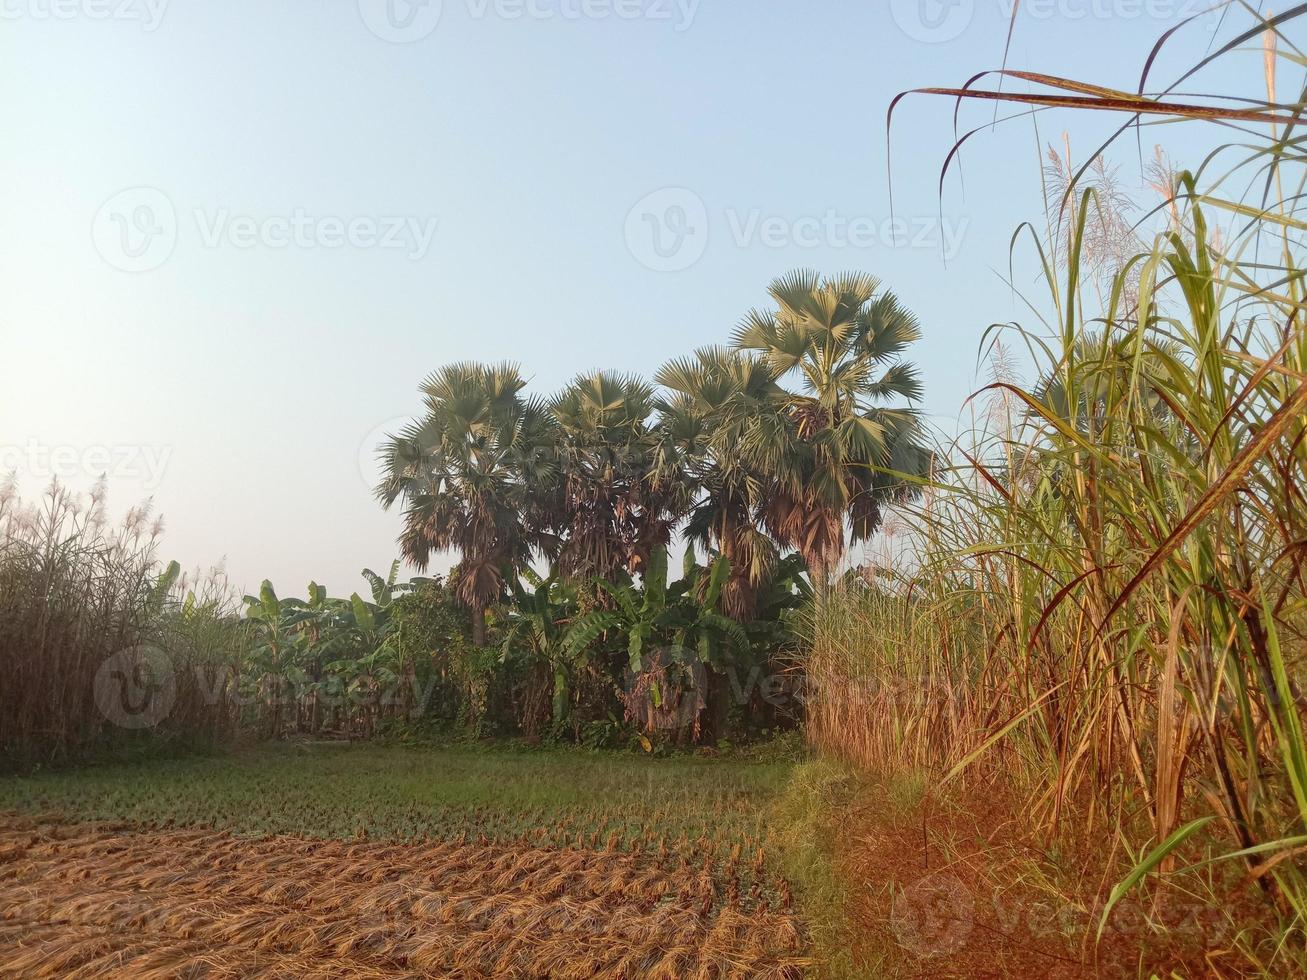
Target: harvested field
x=358 y=862
x=98 y=900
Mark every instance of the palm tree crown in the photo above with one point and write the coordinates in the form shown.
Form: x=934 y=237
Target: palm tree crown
x=469 y=473
x=720 y=399
x=852 y=455
x=616 y=505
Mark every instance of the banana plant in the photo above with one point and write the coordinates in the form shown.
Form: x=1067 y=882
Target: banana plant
x=700 y=624
x=384 y=590
x=787 y=589
x=537 y=623
x=367 y=628
x=318 y=643
x=274 y=625
x=162 y=588
x=676 y=618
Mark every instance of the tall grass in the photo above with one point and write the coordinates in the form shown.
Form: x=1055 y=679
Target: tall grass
x=94 y=634
x=1103 y=595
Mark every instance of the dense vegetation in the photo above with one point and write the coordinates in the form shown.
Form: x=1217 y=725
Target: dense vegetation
x=85 y=606
x=558 y=618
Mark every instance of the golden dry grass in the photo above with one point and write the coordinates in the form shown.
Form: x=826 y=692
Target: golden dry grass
x=115 y=900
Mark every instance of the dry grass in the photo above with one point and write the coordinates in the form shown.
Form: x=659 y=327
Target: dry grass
x=91 y=634
x=101 y=900
x=1100 y=603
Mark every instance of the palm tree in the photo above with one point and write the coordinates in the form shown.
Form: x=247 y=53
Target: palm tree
x=618 y=499
x=851 y=455
x=474 y=473
x=719 y=400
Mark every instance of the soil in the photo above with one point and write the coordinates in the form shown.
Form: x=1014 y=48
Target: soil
x=963 y=891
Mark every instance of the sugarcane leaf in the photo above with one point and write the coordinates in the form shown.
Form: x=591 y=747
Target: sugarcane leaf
x=1155 y=857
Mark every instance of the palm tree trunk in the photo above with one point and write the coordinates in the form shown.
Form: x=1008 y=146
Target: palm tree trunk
x=478 y=627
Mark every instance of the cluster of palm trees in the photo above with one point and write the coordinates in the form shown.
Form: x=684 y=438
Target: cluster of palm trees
x=792 y=440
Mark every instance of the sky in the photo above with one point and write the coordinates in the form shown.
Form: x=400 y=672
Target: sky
x=235 y=236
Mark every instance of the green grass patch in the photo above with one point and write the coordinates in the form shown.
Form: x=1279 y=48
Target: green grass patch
x=804 y=827
x=823 y=800
x=427 y=792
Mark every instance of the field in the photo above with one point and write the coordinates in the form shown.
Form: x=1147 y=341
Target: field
x=369 y=861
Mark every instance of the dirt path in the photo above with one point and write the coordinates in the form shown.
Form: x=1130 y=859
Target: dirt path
x=960 y=891
x=82 y=900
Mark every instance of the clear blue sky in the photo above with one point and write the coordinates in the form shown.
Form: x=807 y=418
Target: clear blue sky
x=242 y=376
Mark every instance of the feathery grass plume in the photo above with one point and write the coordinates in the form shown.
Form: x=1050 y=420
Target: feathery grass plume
x=92 y=626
